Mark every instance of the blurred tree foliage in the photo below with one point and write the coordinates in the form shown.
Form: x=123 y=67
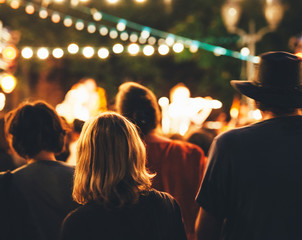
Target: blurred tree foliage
x=203 y=72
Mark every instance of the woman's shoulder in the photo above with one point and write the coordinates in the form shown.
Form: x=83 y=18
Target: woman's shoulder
x=162 y=199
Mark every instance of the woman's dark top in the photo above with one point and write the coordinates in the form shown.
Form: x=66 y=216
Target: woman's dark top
x=155 y=216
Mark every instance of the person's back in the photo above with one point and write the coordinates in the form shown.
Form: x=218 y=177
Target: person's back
x=155 y=216
x=252 y=185
x=44 y=187
x=179 y=165
x=37 y=195
x=264 y=180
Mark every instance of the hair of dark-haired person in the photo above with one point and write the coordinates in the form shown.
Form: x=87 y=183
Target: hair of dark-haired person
x=139 y=105
x=35 y=127
x=201 y=138
x=275 y=109
x=110 y=165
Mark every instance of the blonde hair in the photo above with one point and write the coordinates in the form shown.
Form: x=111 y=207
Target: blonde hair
x=110 y=162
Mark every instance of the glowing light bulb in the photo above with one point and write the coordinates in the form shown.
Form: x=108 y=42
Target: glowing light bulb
x=91 y=28
x=55 y=17
x=133 y=37
x=218 y=51
x=103 y=31
x=58 y=52
x=27 y=53
x=170 y=40
x=103 y=53
x=152 y=40
x=15 y=4
x=118 y=48
x=73 y=48
x=8 y=83
x=163 y=101
x=146 y=32
x=113 y=34
x=124 y=36
x=43 y=53
x=121 y=25
x=67 y=21
x=148 y=50
x=30 y=9
x=193 y=48
x=178 y=47
x=88 y=52
x=245 y=51
x=79 y=25
x=9 y=53
x=97 y=16
x=43 y=13
x=133 y=49
x=163 y=49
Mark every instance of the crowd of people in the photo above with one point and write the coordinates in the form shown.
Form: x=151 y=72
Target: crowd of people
x=128 y=181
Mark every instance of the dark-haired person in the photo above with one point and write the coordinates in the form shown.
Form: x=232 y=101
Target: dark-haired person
x=179 y=165
x=252 y=187
x=40 y=192
x=114 y=186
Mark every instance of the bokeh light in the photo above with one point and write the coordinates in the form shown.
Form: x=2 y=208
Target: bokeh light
x=113 y=34
x=91 y=28
x=43 y=53
x=178 y=47
x=124 y=36
x=67 y=21
x=55 y=17
x=8 y=83
x=103 y=53
x=43 y=13
x=58 y=52
x=88 y=52
x=73 y=48
x=79 y=25
x=121 y=25
x=2 y=101
x=133 y=49
x=148 y=50
x=27 y=53
x=118 y=48
x=9 y=53
x=163 y=49
x=103 y=31
x=30 y=9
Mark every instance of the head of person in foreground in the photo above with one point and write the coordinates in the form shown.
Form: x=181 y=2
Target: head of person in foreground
x=35 y=127
x=110 y=166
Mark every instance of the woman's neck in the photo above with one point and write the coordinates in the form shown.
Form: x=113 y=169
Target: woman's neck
x=43 y=155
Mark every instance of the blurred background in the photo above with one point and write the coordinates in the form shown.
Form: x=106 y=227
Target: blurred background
x=75 y=53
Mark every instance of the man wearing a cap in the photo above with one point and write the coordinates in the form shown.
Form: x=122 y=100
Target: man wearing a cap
x=253 y=185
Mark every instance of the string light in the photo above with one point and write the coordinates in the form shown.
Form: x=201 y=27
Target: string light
x=67 y=21
x=8 y=83
x=42 y=53
x=9 y=53
x=55 y=17
x=118 y=48
x=73 y=48
x=15 y=4
x=133 y=49
x=133 y=37
x=178 y=47
x=27 y=53
x=43 y=13
x=88 y=52
x=124 y=36
x=113 y=34
x=103 y=53
x=163 y=49
x=79 y=25
x=152 y=40
x=58 y=52
x=30 y=9
x=148 y=50
x=103 y=30
x=91 y=28
x=121 y=25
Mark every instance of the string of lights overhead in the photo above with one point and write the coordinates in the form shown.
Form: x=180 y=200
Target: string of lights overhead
x=144 y=36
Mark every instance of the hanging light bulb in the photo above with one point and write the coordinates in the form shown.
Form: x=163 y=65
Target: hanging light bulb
x=27 y=53
x=73 y=48
x=30 y=9
x=133 y=49
x=121 y=25
x=103 y=53
x=118 y=48
x=91 y=28
x=55 y=17
x=79 y=25
x=67 y=21
x=43 y=53
x=43 y=13
x=58 y=52
x=88 y=52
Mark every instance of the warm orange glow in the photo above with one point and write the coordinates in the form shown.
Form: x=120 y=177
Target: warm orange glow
x=8 y=83
x=9 y=53
x=299 y=54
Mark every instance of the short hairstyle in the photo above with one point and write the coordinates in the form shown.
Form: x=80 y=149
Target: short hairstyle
x=35 y=127
x=275 y=110
x=111 y=160
x=139 y=105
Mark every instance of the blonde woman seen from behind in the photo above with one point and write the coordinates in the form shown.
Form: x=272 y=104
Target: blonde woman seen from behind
x=114 y=187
